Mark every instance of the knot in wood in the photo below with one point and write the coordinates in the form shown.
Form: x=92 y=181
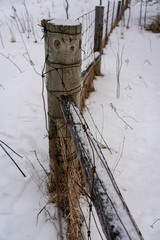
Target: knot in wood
x=50 y=136
x=94 y=169
x=84 y=127
x=90 y=207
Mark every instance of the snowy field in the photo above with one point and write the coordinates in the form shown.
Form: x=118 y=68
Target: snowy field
x=130 y=125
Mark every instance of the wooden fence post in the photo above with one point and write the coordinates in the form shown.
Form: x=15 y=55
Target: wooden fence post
x=107 y=19
x=98 y=37
x=63 y=75
x=118 y=12
x=112 y=24
x=63 y=68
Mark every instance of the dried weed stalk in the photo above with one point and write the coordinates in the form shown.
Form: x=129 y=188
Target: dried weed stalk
x=88 y=87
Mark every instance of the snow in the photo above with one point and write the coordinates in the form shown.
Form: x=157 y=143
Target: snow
x=23 y=123
x=64 y=22
x=137 y=172
x=103 y=179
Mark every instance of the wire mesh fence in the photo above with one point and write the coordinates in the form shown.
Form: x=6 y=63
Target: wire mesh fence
x=73 y=196
x=112 y=13
x=88 y=29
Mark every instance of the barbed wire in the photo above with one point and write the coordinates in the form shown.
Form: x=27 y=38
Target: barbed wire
x=93 y=163
x=88 y=28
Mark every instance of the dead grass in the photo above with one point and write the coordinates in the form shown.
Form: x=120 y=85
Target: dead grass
x=155 y=25
x=68 y=179
x=88 y=87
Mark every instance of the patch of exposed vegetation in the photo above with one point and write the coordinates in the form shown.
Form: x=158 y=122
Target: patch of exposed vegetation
x=155 y=25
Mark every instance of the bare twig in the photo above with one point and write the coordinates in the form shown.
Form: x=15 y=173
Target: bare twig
x=2 y=86
x=156 y=220
x=119 y=62
x=44 y=208
x=119 y=158
x=27 y=52
x=115 y=110
x=12 y=158
x=34 y=170
x=145 y=15
x=11 y=149
x=17 y=17
x=140 y=77
x=66 y=8
x=27 y=18
x=40 y=163
x=102 y=122
x=1 y=40
x=33 y=30
x=140 y=14
x=11 y=62
x=98 y=131
x=147 y=61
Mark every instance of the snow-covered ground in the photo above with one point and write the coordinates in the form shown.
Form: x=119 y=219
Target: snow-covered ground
x=135 y=159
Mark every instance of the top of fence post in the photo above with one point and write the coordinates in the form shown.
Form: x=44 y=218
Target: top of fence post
x=62 y=51
x=99 y=13
x=62 y=26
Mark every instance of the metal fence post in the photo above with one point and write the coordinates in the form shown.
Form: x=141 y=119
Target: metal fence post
x=98 y=37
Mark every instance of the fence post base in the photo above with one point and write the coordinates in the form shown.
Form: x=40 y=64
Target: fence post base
x=63 y=74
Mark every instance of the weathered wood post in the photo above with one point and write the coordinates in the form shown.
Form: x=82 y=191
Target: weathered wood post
x=112 y=23
x=63 y=75
x=63 y=67
x=118 y=12
x=107 y=18
x=122 y=6
x=99 y=13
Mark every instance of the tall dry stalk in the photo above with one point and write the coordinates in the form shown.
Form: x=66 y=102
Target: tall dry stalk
x=119 y=62
x=66 y=6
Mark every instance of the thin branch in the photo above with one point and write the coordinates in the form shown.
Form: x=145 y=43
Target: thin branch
x=66 y=9
x=40 y=213
x=156 y=220
x=40 y=163
x=118 y=160
x=1 y=40
x=12 y=160
x=11 y=62
x=11 y=149
x=115 y=110
x=2 y=86
x=98 y=130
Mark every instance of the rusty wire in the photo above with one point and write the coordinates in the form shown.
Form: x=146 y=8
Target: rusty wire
x=88 y=21
x=93 y=149
x=51 y=136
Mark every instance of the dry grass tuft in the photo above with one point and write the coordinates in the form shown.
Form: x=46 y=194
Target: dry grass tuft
x=88 y=87
x=155 y=25
x=68 y=179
